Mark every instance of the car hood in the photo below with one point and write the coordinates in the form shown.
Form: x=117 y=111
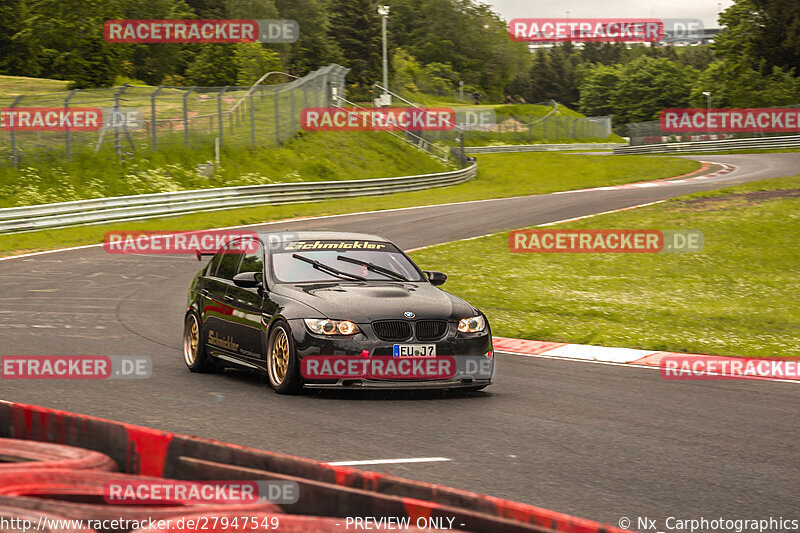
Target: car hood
x=365 y=302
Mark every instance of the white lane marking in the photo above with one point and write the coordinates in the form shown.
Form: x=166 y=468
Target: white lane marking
x=538 y=225
x=283 y=221
x=390 y=461
x=629 y=365
x=50 y=251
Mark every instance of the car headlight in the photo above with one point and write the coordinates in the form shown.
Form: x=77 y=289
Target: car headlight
x=472 y=325
x=324 y=326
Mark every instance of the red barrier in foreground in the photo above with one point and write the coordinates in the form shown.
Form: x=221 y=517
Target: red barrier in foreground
x=18 y=454
x=325 y=490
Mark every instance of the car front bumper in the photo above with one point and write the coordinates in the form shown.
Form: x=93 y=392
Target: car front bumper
x=472 y=353
x=372 y=384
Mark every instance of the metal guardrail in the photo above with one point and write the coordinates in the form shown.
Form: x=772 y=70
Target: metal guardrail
x=138 y=207
x=792 y=141
x=541 y=147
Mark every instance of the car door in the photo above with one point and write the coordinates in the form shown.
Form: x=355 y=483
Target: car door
x=217 y=309
x=250 y=305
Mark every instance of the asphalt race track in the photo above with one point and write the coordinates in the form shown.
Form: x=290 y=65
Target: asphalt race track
x=593 y=440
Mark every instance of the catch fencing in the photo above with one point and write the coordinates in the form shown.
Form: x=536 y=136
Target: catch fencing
x=651 y=132
x=766 y=143
x=157 y=118
x=478 y=126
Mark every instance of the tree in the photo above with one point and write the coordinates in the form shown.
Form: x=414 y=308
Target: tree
x=153 y=62
x=252 y=61
x=214 y=66
x=553 y=74
x=356 y=26
x=408 y=73
x=542 y=78
x=733 y=84
x=70 y=34
x=597 y=88
x=316 y=46
x=647 y=85
x=20 y=50
x=761 y=34
x=698 y=57
x=465 y=34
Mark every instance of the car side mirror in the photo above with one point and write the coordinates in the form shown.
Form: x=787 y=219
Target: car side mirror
x=248 y=280
x=436 y=278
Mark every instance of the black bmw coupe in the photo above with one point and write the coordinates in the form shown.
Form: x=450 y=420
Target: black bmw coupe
x=333 y=310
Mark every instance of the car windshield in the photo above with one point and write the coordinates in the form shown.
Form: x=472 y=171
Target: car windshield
x=347 y=260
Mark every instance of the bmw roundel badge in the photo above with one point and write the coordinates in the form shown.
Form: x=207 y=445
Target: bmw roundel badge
x=409 y=314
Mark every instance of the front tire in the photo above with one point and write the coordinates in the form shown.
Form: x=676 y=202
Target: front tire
x=194 y=350
x=282 y=369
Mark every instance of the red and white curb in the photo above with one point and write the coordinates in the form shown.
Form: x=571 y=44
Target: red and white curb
x=726 y=169
x=641 y=358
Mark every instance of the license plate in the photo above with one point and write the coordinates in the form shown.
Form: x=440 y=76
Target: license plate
x=414 y=350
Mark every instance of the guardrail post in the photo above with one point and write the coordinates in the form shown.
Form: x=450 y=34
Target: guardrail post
x=14 y=155
x=292 y=129
x=117 y=147
x=252 y=121
x=153 y=124
x=68 y=136
x=186 y=116
x=219 y=113
x=277 y=120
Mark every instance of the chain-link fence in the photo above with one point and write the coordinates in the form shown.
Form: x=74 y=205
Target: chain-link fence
x=485 y=127
x=651 y=132
x=137 y=119
x=507 y=124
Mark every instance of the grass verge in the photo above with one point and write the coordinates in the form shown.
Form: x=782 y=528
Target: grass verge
x=737 y=297
x=307 y=157
x=500 y=175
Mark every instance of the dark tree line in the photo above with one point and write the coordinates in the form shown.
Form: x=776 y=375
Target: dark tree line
x=453 y=39
x=755 y=62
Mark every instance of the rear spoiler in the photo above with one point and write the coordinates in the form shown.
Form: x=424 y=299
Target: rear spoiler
x=200 y=254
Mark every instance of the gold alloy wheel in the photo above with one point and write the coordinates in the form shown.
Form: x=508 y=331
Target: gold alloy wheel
x=279 y=357
x=191 y=339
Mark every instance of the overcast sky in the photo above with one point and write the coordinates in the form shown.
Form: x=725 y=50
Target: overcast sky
x=705 y=10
